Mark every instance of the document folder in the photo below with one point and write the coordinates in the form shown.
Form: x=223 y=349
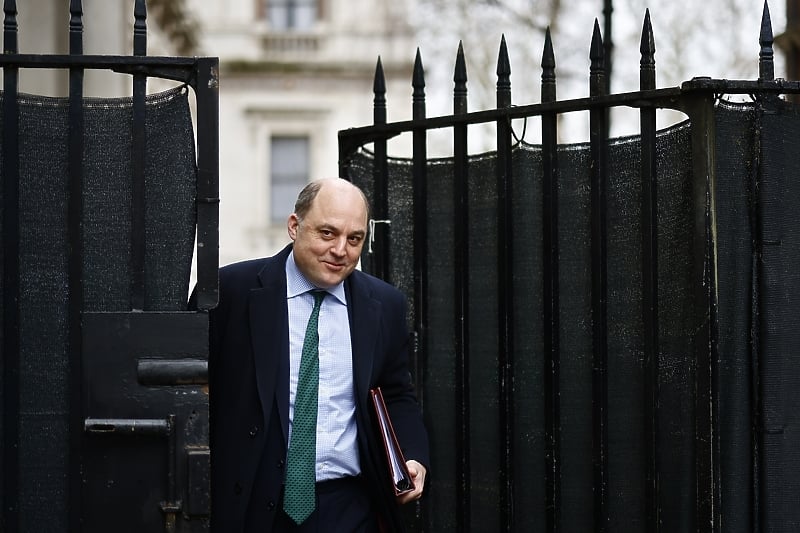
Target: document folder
x=398 y=471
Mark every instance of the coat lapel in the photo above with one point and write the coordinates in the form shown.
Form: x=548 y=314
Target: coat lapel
x=269 y=333
x=365 y=314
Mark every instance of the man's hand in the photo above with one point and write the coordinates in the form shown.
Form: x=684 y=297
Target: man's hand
x=417 y=472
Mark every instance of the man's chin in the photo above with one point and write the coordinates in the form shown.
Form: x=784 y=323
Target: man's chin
x=328 y=280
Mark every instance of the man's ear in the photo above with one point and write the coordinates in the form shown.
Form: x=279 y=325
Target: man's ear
x=291 y=226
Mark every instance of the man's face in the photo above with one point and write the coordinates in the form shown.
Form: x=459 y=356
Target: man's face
x=328 y=241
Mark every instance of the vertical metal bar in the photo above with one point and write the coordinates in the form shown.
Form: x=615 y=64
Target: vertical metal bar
x=551 y=326
x=9 y=517
x=207 y=93
x=75 y=262
x=138 y=151
x=420 y=226
x=505 y=289
x=649 y=202
x=380 y=176
x=598 y=129
x=171 y=506
x=461 y=288
x=758 y=311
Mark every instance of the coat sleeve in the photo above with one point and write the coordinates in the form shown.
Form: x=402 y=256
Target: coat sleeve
x=396 y=381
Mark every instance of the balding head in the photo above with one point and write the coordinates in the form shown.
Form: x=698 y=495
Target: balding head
x=306 y=197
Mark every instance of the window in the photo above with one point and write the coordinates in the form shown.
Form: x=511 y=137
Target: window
x=289 y=172
x=287 y=15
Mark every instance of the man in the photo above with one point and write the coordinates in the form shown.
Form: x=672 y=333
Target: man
x=257 y=345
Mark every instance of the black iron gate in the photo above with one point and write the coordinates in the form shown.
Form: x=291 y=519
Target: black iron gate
x=104 y=369
x=606 y=331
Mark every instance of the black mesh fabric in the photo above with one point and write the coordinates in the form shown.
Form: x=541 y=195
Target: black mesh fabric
x=779 y=319
x=170 y=177
x=170 y=219
x=750 y=302
x=736 y=183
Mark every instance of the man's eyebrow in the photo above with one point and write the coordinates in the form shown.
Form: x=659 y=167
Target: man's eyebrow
x=334 y=229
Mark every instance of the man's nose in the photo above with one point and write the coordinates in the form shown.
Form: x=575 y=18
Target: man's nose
x=339 y=246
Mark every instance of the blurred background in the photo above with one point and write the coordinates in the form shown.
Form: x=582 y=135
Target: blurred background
x=294 y=72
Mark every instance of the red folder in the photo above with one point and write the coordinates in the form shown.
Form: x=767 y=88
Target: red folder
x=398 y=471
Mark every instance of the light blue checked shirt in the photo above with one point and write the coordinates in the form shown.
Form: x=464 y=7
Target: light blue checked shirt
x=337 y=449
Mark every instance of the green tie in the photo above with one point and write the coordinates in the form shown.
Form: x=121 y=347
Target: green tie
x=299 y=495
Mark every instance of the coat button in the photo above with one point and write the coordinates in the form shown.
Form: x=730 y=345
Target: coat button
x=271 y=505
x=253 y=431
x=280 y=463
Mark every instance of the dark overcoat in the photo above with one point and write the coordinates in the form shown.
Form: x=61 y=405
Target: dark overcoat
x=249 y=390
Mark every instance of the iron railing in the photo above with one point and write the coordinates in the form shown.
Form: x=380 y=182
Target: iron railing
x=464 y=495
x=68 y=509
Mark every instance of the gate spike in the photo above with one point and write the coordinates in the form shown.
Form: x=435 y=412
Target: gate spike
x=596 y=53
x=418 y=80
x=379 y=92
x=460 y=73
x=460 y=81
x=766 y=67
x=503 y=76
x=647 y=65
x=597 y=63
x=379 y=83
x=10 y=27
x=503 y=64
x=418 y=83
x=548 y=69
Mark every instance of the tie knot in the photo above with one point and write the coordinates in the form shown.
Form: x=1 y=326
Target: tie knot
x=318 y=295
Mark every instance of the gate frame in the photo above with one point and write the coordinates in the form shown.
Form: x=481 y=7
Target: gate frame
x=199 y=73
x=695 y=98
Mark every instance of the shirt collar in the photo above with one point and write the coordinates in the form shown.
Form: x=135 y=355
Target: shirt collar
x=297 y=284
